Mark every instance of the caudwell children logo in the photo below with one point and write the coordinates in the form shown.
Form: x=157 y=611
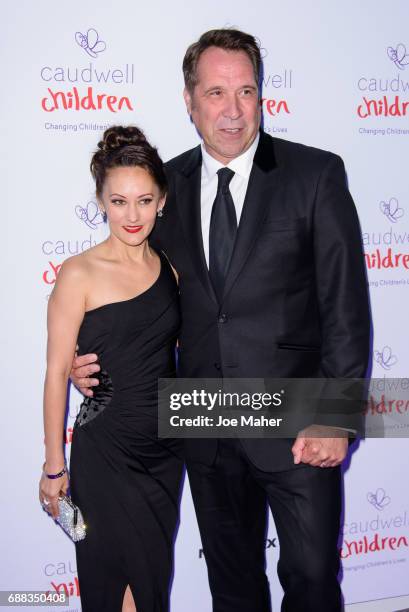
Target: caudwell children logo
x=388 y=248
x=87 y=87
x=386 y=95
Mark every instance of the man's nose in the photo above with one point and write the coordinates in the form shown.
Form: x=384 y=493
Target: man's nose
x=232 y=107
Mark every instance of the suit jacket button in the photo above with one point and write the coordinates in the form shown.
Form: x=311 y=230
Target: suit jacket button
x=222 y=318
x=217 y=366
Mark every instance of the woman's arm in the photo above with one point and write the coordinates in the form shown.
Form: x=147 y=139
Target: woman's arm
x=66 y=309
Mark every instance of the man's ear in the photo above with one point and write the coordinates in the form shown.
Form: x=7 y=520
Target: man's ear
x=188 y=100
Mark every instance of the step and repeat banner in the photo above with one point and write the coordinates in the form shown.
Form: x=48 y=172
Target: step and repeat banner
x=336 y=76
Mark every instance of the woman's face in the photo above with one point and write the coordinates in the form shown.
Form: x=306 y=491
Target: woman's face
x=131 y=200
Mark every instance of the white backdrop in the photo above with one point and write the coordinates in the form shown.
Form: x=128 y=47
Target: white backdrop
x=329 y=81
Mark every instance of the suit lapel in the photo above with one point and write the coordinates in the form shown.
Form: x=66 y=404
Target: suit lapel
x=263 y=188
x=188 y=184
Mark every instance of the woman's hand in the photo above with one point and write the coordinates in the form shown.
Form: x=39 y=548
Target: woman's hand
x=50 y=490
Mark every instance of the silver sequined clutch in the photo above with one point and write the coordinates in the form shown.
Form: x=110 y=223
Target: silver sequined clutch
x=70 y=518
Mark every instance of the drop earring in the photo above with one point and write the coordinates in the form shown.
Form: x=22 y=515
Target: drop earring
x=160 y=212
x=104 y=216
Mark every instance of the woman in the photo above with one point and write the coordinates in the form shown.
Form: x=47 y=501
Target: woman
x=119 y=300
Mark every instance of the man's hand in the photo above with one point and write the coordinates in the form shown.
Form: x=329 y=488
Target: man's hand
x=83 y=367
x=315 y=446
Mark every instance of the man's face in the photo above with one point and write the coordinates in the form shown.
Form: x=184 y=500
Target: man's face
x=224 y=105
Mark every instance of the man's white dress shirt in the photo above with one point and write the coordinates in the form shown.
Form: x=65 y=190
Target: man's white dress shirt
x=241 y=166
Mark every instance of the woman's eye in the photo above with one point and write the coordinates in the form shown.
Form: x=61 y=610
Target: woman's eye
x=117 y=202
x=145 y=201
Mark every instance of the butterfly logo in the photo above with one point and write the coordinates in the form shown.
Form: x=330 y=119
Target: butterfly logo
x=399 y=56
x=391 y=210
x=379 y=499
x=90 y=42
x=91 y=215
x=385 y=358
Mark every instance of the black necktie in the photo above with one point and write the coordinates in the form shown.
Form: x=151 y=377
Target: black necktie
x=223 y=229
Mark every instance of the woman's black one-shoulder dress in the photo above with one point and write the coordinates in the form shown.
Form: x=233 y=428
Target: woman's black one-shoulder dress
x=126 y=480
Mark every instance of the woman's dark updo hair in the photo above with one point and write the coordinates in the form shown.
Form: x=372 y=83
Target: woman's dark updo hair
x=126 y=146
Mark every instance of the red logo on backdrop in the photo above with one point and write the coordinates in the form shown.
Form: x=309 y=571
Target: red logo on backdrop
x=70 y=589
x=50 y=275
x=367 y=545
x=379 y=260
x=383 y=405
x=72 y=100
x=382 y=107
x=274 y=107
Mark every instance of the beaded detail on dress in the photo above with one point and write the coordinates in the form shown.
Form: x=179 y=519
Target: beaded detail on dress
x=93 y=406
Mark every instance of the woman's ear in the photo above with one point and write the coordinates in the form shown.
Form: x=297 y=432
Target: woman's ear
x=102 y=209
x=161 y=205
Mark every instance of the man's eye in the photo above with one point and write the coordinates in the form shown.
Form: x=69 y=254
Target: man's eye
x=215 y=92
x=247 y=92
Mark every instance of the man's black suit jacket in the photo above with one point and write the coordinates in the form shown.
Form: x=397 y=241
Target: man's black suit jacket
x=295 y=302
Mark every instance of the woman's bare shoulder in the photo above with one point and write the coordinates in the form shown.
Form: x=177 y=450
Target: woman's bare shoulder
x=81 y=265
x=74 y=268
x=75 y=274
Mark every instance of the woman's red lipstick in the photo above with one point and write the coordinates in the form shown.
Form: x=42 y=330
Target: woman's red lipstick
x=132 y=229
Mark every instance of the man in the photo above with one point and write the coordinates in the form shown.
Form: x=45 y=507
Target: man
x=272 y=284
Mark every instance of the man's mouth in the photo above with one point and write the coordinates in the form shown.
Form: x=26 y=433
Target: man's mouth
x=232 y=130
